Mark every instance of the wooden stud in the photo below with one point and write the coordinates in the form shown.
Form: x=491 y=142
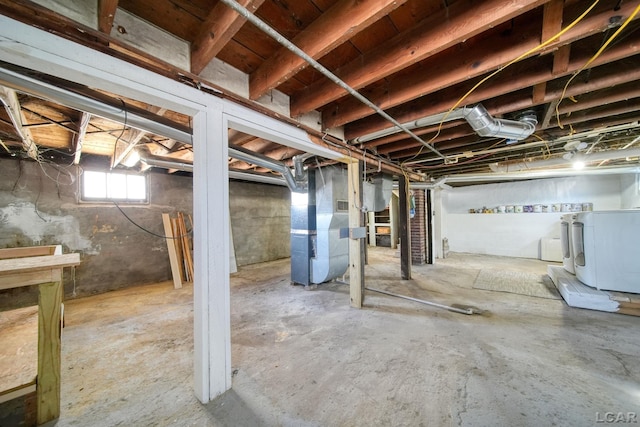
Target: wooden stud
x=176 y=232
x=561 y=60
x=539 y=91
x=552 y=19
x=171 y=248
x=49 y=345
x=356 y=246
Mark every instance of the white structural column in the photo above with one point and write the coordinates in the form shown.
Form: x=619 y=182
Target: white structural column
x=38 y=50
x=212 y=341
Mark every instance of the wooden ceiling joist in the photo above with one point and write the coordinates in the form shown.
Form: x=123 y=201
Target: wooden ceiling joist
x=9 y=98
x=216 y=31
x=460 y=21
x=106 y=14
x=78 y=138
x=510 y=80
x=466 y=62
x=333 y=28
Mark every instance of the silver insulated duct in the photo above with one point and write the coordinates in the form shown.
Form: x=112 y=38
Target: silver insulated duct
x=331 y=253
x=483 y=123
x=267 y=162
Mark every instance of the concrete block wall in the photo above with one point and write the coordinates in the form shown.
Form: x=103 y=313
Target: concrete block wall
x=39 y=206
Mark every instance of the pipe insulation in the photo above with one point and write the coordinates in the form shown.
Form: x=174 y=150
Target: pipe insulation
x=483 y=123
x=261 y=25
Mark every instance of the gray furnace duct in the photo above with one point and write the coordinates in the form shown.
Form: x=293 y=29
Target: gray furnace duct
x=319 y=218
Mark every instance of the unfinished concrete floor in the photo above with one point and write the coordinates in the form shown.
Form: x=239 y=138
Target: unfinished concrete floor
x=305 y=358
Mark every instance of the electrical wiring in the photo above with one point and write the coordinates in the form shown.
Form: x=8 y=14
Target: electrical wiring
x=593 y=58
x=519 y=58
x=470 y=160
x=124 y=127
x=188 y=233
x=548 y=155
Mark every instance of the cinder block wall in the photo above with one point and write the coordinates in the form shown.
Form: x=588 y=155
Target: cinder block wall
x=39 y=206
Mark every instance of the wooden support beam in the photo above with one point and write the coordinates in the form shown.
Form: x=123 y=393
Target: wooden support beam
x=221 y=25
x=552 y=19
x=446 y=72
x=549 y=112
x=405 y=228
x=356 y=244
x=538 y=92
x=460 y=21
x=9 y=98
x=517 y=77
x=78 y=138
x=602 y=98
x=49 y=348
x=338 y=24
x=561 y=60
x=106 y=13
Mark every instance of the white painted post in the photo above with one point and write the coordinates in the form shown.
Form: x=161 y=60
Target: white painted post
x=212 y=342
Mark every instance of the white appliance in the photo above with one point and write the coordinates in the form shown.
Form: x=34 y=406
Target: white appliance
x=565 y=243
x=605 y=249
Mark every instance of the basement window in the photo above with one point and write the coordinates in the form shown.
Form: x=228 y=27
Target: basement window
x=109 y=186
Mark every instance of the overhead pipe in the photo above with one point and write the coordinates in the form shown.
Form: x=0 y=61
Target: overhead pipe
x=557 y=161
x=266 y=162
x=557 y=173
x=567 y=138
x=116 y=111
x=167 y=164
x=483 y=123
x=71 y=99
x=233 y=173
x=322 y=69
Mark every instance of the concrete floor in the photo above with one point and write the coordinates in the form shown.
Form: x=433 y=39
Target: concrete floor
x=305 y=358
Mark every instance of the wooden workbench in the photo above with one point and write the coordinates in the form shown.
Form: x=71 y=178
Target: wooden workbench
x=42 y=266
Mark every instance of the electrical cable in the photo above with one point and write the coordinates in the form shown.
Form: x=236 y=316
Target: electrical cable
x=124 y=127
x=593 y=58
x=188 y=233
x=519 y=58
x=35 y=204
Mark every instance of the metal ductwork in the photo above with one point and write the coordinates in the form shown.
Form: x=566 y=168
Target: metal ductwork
x=478 y=117
x=115 y=110
x=266 y=162
x=557 y=161
x=376 y=192
x=167 y=164
x=233 y=173
x=318 y=253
